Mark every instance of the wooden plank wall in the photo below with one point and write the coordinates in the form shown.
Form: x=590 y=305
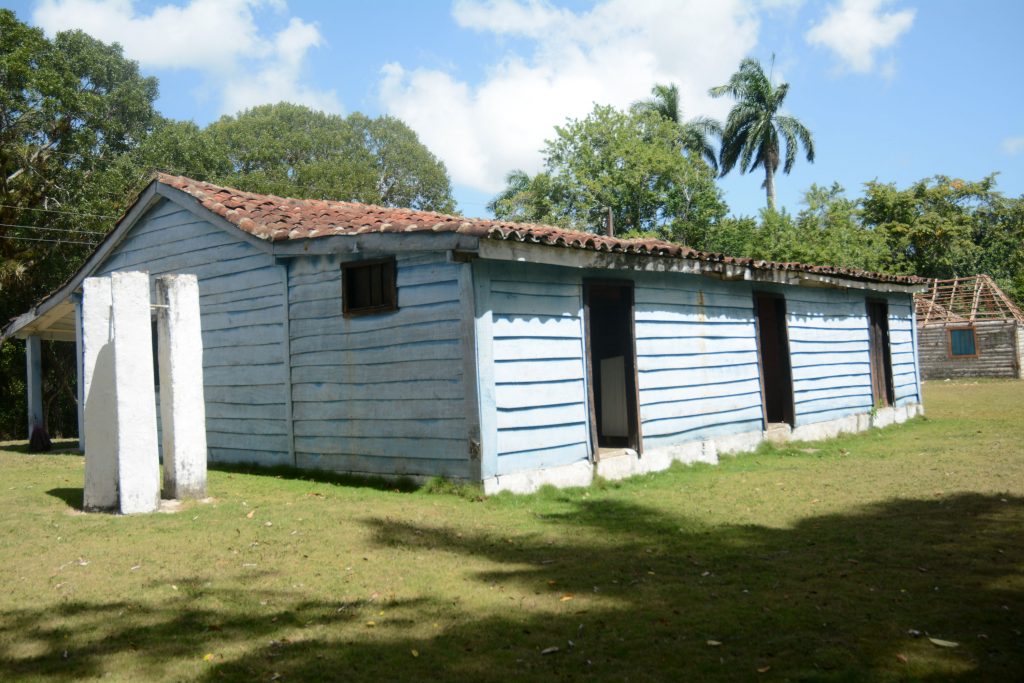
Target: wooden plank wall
x=828 y=341
x=379 y=394
x=538 y=369
x=242 y=319
x=995 y=342
x=901 y=346
x=696 y=358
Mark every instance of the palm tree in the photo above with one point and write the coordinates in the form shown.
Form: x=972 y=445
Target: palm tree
x=755 y=126
x=694 y=134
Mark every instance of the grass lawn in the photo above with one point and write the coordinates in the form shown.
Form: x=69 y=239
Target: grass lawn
x=818 y=561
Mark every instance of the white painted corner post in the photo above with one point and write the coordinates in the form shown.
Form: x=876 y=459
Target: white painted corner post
x=138 y=460
x=34 y=383
x=79 y=371
x=97 y=391
x=182 y=405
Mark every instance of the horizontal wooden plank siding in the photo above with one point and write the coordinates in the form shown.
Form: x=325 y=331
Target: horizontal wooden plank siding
x=829 y=352
x=696 y=358
x=901 y=347
x=242 y=305
x=382 y=393
x=538 y=368
x=997 y=349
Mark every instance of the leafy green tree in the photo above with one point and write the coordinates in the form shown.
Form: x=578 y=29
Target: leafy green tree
x=630 y=162
x=696 y=134
x=69 y=107
x=755 y=127
x=528 y=199
x=291 y=150
x=407 y=174
x=944 y=227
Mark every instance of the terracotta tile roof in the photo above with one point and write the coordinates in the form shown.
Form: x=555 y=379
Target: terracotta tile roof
x=278 y=219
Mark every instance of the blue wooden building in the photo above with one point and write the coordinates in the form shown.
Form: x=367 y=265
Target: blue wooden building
x=381 y=341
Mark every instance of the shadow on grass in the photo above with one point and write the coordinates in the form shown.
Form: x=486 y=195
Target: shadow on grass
x=71 y=496
x=403 y=485
x=622 y=591
x=61 y=446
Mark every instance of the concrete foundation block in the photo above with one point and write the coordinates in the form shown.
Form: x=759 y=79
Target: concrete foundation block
x=182 y=405
x=100 y=414
x=579 y=473
x=138 y=461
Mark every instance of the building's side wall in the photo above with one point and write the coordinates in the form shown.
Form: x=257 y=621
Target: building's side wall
x=996 y=343
x=384 y=393
x=539 y=385
x=828 y=340
x=696 y=347
x=242 y=308
x=902 y=347
x=697 y=364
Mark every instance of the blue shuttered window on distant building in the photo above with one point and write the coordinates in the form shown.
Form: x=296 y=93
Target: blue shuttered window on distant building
x=961 y=343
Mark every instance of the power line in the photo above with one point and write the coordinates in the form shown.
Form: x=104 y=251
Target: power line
x=69 y=213
x=39 y=227
x=40 y=239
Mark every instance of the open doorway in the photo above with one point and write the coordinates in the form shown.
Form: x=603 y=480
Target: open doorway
x=611 y=362
x=881 y=360
x=773 y=356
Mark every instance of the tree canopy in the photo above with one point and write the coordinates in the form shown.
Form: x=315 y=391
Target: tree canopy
x=631 y=162
x=696 y=134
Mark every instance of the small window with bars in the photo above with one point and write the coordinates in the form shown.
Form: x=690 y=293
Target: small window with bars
x=368 y=287
x=962 y=343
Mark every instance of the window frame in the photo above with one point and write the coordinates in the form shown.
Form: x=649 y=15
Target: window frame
x=390 y=291
x=949 y=342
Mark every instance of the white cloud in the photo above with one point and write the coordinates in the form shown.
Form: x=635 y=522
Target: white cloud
x=611 y=54
x=219 y=38
x=856 y=30
x=1013 y=145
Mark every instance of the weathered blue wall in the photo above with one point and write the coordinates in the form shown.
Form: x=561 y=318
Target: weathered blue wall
x=697 y=358
x=540 y=401
x=903 y=344
x=383 y=393
x=241 y=299
x=697 y=363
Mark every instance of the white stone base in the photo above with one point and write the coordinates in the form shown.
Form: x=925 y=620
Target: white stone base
x=576 y=474
x=628 y=463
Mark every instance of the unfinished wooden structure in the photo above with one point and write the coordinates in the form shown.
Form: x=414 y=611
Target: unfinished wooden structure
x=968 y=327
x=391 y=342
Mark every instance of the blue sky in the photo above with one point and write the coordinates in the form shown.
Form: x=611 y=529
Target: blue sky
x=893 y=90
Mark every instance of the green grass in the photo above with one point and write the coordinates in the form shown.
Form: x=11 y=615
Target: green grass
x=811 y=562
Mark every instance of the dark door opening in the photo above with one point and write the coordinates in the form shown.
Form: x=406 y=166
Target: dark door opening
x=611 y=362
x=773 y=353
x=881 y=360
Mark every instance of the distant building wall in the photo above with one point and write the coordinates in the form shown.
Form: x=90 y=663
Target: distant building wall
x=998 y=346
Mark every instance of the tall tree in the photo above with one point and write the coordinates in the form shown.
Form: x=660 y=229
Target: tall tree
x=630 y=162
x=69 y=106
x=696 y=134
x=756 y=127
x=288 y=149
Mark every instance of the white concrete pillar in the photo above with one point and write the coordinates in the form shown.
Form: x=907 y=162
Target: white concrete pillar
x=79 y=372
x=34 y=383
x=182 y=405
x=138 y=460
x=97 y=391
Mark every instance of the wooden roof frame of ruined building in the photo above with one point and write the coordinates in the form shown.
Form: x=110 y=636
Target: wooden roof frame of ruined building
x=965 y=301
